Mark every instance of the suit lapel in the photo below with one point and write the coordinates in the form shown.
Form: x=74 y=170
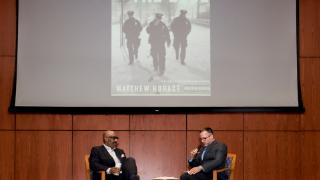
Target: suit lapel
x=209 y=147
x=118 y=154
x=105 y=152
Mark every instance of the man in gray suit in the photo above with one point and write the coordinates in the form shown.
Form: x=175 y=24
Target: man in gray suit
x=106 y=158
x=211 y=157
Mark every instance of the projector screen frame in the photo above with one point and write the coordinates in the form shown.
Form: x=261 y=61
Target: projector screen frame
x=156 y=110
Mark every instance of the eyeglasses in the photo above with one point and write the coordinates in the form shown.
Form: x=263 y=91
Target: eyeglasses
x=204 y=138
x=114 y=137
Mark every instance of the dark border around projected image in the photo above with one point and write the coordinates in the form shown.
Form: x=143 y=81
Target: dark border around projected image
x=157 y=110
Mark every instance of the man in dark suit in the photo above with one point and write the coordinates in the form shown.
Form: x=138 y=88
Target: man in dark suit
x=180 y=28
x=132 y=29
x=109 y=158
x=159 y=35
x=211 y=157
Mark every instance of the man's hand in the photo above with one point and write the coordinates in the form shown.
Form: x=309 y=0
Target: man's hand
x=193 y=152
x=194 y=170
x=114 y=170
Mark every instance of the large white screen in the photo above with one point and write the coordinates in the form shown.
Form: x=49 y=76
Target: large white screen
x=240 y=53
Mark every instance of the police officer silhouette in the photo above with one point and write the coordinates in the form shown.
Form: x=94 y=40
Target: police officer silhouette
x=180 y=28
x=132 y=29
x=159 y=35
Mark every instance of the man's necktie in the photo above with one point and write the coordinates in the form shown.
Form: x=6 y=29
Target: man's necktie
x=204 y=150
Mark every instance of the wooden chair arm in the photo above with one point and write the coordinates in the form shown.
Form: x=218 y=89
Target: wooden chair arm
x=184 y=172
x=224 y=169
x=103 y=174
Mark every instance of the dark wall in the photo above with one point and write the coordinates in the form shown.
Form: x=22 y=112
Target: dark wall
x=268 y=145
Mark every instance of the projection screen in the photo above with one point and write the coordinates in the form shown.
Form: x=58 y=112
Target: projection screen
x=202 y=54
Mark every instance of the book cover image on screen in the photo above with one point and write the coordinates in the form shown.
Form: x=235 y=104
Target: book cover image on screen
x=161 y=53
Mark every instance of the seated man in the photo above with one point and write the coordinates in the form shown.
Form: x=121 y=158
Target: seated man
x=211 y=157
x=105 y=158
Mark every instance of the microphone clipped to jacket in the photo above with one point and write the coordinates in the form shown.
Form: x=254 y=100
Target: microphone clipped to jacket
x=199 y=147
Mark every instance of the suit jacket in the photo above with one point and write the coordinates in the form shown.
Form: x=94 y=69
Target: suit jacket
x=101 y=160
x=159 y=34
x=213 y=159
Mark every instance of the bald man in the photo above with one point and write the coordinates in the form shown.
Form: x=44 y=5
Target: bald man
x=105 y=158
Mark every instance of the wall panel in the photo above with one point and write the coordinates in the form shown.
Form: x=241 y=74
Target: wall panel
x=7 y=121
x=310 y=155
x=7 y=155
x=158 y=122
x=233 y=140
x=43 y=155
x=309 y=28
x=158 y=153
x=83 y=141
x=310 y=87
x=37 y=121
x=271 y=121
x=101 y=122
x=7 y=27
x=271 y=155
x=217 y=121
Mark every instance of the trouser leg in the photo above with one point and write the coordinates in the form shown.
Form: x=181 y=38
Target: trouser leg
x=155 y=62
x=199 y=176
x=162 y=58
x=129 y=167
x=136 y=47
x=183 y=53
x=184 y=176
x=176 y=45
x=155 y=56
x=130 y=50
x=184 y=45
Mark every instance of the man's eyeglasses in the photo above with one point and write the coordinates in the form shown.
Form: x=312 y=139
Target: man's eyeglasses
x=204 y=138
x=114 y=137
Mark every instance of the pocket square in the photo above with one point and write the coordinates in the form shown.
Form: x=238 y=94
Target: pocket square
x=123 y=155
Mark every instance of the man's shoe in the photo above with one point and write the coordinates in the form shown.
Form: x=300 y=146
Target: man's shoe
x=131 y=62
x=183 y=63
x=136 y=177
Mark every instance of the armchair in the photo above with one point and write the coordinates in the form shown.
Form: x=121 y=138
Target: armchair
x=89 y=172
x=230 y=164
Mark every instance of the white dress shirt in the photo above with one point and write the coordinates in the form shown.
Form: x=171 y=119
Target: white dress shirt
x=113 y=155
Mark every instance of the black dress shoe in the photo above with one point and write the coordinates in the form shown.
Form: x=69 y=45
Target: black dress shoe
x=130 y=62
x=183 y=63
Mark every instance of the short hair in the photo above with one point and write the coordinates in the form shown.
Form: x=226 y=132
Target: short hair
x=209 y=130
